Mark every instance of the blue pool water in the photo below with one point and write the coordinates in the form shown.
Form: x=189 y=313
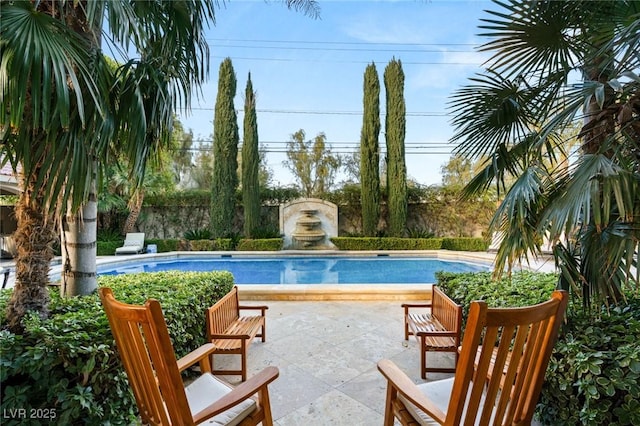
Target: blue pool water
x=311 y=270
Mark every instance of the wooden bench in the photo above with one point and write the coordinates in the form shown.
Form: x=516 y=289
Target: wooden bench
x=231 y=333
x=438 y=330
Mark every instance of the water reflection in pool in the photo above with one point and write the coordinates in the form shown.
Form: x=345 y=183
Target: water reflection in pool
x=310 y=270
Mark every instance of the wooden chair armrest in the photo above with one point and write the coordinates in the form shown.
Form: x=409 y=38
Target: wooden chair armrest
x=199 y=355
x=229 y=336
x=255 y=384
x=404 y=385
x=262 y=308
x=416 y=305
x=436 y=333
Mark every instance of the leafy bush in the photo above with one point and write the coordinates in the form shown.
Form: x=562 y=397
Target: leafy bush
x=594 y=373
x=465 y=244
x=110 y=235
x=201 y=245
x=521 y=289
x=420 y=232
x=266 y=244
x=386 y=243
x=193 y=197
x=198 y=234
x=164 y=246
x=108 y=248
x=266 y=232
x=278 y=195
x=224 y=244
x=68 y=362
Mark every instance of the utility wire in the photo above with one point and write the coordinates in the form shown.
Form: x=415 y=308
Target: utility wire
x=350 y=43
x=286 y=111
x=404 y=62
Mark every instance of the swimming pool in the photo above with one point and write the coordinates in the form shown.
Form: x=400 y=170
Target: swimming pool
x=288 y=270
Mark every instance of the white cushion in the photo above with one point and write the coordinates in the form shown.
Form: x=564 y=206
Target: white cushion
x=129 y=249
x=207 y=389
x=439 y=392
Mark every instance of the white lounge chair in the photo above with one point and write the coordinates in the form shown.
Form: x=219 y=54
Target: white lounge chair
x=133 y=244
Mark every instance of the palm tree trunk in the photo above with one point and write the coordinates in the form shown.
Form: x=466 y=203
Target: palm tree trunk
x=79 y=230
x=134 y=211
x=34 y=236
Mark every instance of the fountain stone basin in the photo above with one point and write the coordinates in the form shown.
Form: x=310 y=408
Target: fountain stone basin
x=308 y=230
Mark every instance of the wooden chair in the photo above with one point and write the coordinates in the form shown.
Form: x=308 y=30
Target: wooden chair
x=154 y=373
x=476 y=395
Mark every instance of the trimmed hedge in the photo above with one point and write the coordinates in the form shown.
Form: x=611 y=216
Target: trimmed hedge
x=108 y=248
x=386 y=243
x=68 y=364
x=465 y=244
x=163 y=245
x=521 y=289
x=266 y=244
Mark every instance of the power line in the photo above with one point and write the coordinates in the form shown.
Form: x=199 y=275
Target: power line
x=353 y=143
x=341 y=61
x=345 y=49
x=319 y=112
x=367 y=43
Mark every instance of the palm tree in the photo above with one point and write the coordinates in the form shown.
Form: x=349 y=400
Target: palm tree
x=63 y=105
x=555 y=64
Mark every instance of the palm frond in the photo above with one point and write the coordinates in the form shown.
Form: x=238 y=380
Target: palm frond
x=492 y=112
x=516 y=219
x=532 y=36
x=308 y=7
x=43 y=66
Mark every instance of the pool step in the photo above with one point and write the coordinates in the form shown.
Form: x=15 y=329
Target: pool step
x=400 y=292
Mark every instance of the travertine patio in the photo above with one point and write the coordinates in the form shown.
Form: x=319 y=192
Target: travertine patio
x=327 y=353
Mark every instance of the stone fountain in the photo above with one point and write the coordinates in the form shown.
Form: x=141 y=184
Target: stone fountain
x=308 y=224
x=308 y=230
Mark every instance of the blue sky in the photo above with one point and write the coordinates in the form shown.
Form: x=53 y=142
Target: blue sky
x=308 y=74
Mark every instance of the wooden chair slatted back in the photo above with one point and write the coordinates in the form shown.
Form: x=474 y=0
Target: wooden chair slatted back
x=504 y=357
x=441 y=308
x=146 y=351
x=223 y=313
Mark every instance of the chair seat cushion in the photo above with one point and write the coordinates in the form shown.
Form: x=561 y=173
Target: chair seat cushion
x=207 y=389
x=439 y=392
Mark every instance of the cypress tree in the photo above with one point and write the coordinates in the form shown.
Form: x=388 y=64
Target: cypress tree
x=370 y=152
x=250 y=164
x=395 y=125
x=225 y=153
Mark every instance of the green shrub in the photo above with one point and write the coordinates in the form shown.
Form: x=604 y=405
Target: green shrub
x=594 y=374
x=108 y=248
x=521 y=289
x=420 y=232
x=164 y=246
x=109 y=235
x=198 y=234
x=68 y=363
x=386 y=243
x=202 y=245
x=266 y=232
x=465 y=244
x=265 y=244
x=224 y=244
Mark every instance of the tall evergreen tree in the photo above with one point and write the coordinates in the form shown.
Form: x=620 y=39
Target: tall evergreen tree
x=370 y=152
x=395 y=125
x=225 y=154
x=250 y=164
